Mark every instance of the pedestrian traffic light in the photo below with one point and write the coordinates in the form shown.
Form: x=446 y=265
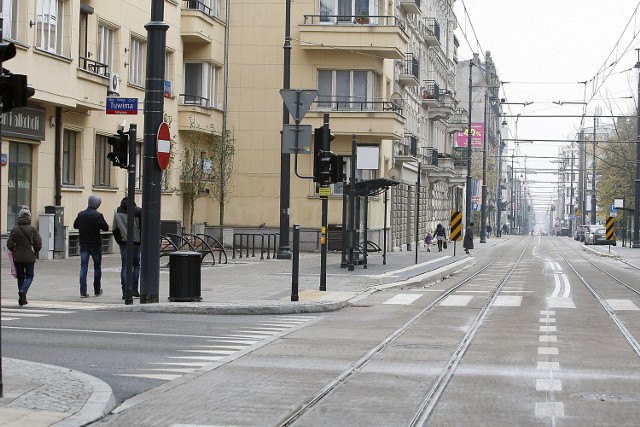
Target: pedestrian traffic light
x=120 y=144
x=322 y=159
x=14 y=89
x=337 y=168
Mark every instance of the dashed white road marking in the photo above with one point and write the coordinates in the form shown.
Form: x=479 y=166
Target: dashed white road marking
x=548 y=366
x=549 y=409
x=548 y=385
x=559 y=302
x=508 y=301
x=402 y=299
x=622 y=304
x=547 y=320
x=547 y=350
x=547 y=313
x=545 y=328
x=164 y=377
x=456 y=300
x=548 y=338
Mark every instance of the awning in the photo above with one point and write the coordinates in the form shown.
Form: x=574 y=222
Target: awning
x=371 y=187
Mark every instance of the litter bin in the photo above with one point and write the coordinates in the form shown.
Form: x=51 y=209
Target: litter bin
x=184 y=276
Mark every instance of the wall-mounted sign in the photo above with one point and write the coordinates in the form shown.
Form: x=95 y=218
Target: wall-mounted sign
x=477 y=136
x=122 y=106
x=24 y=122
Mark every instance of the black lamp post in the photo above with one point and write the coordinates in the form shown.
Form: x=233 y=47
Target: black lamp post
x=636 y=212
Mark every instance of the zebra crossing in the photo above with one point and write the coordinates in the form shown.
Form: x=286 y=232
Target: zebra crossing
x=12 y=314
x=217 y=349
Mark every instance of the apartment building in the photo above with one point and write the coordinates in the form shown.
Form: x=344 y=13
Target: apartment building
x=384 y=72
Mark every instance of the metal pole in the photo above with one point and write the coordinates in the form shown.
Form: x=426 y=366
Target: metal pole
x=151 y=185
x=499 y=195
x=296 y=263
x=468 y=194
x=593 y=176
x=384 y=230
x=352 y=203
x=325 y=208
x=571 y=213
x=131 y=185
x=636 y=212
x=417 y=212
x=483 y=206
x=513 y=218
x=285 y=159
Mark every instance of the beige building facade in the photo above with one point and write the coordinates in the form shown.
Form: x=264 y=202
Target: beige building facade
x=384 y=71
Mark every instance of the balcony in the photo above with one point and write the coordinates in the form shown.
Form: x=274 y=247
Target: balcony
x=410 y=71
x=406 y=149
x=430 y=94
x=198 y=20
x=444 y=109
x=458 y=121
x=429 y=159
x=410 y=6
x=430 y=31
x=195 y=112
x=376 y=117
x=383 y=36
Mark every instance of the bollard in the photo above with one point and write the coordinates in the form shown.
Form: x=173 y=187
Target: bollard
x=296 y=263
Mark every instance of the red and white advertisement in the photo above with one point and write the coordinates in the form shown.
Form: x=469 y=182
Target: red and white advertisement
x=477 y=136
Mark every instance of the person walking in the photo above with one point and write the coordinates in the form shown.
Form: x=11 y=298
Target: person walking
x=489 y=230
x=440 y=236
x=89 y=223
x=428 y=239
x=120 y=234
x=505 y=229
x=467 y=243
x=24 y=242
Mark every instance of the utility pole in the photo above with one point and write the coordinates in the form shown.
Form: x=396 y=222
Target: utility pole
x=571 y=213
x=593 y=176
x=636 y=211
x=483 y=208
x=513 y=218
x=469 y=152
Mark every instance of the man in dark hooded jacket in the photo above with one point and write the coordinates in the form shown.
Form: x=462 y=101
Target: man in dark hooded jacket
x=119 y=228
x=89 y=224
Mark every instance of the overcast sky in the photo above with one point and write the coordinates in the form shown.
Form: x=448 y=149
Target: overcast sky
x=544 y=51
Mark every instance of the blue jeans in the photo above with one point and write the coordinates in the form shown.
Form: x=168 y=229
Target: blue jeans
x=95 y=252
x=24 y=274
x=136 y=267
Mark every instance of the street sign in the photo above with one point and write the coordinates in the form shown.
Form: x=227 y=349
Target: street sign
x=122 y=106
x=456 y=225
x=289 y=139
x=298 y=101
x=163 y=145
x=324 y=191
x=610 y=227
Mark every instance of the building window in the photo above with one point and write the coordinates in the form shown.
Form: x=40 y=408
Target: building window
x=52 y=26
x=10 y=15
x=106 y=42
x=347 y=90
x=69 y=157
x=102 y=165
x=353 y=11
x=209 y=7
x=19 y=180
x=136 y=67
x=200 y=83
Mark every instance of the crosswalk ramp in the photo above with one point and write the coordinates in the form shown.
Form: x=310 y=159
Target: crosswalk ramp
x=13 y=314
x=217 y=349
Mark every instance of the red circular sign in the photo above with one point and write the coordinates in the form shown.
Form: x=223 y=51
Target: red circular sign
x=163 y=145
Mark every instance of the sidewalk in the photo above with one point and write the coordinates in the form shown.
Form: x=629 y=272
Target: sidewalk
x=44 y=395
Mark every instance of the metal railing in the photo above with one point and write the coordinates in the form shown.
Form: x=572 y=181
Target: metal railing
x=94 y=67
x=201 y=6
x=246 y=241
x=355 y=103
x=460 y=117
x=431 y=27
x=196 y=100
x=430 y=90
x=393 y=21
x=411 y=66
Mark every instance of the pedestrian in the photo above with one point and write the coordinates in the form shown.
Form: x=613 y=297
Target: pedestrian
x=468 y=238
x=428 y=239
x=489 y=229
x=24 y=242
x=440 y=236
x=89 y=223
x=119 y=228
x=505 y=229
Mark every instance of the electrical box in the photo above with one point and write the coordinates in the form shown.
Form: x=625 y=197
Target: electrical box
x=45 y=228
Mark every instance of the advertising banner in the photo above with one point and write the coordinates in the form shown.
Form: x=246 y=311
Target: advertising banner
x=477 y=136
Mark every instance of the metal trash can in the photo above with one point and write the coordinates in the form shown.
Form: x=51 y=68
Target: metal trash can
x=184 y=276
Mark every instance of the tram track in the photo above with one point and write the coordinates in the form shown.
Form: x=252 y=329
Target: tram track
x=433 y=395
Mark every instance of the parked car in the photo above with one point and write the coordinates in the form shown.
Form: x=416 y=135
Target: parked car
x=597 y=235
x=579 y=232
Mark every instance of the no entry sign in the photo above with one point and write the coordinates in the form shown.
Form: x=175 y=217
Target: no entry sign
x=164 y=145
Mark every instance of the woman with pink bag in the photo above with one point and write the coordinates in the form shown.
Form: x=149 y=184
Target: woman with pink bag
x=24 y=242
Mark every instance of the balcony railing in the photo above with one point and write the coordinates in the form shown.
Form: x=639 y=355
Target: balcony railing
x=411 y=143
x=459 y=157
x=354 y=20
x=356 y=103
x=430 y=90
x=410 y=6
x=195 y=100
x=459 y=117
x=94 y=67
x=202 y=7
x=411 y=66
x=430 y=29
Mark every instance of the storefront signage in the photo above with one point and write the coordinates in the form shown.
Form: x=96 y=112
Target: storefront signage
x=27 y=123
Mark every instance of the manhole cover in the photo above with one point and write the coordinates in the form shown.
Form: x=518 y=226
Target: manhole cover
x=610 y=397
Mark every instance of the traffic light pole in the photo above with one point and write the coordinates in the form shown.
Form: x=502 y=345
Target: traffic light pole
x=325 y=209
x=131 y=185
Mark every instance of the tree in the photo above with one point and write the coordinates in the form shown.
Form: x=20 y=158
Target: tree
x=222 y=156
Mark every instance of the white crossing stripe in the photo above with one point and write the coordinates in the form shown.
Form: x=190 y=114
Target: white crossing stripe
x=456 y=300
x=548 y=329
x=547 y=320
x=548 y=385
x=224 y=352
x=560 y=302
x=548 y=366
x=209 y=358
x=547 y=313
x=548 y=338
x=164 y=377
x=403 y=299
x=549 y=409
x=547 y=350
x=193 y=364
x=508 y=301
x=622 y=304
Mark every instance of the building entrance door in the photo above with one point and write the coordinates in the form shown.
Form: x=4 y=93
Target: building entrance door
x=19 y=180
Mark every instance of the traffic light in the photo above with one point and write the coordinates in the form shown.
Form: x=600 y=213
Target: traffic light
x=14 y=89
x=322 y=160
x=337 y=168
x=120 y=144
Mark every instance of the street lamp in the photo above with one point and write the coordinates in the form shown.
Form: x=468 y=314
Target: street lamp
x=636 y=212
x=483 y=208
x=468 y=194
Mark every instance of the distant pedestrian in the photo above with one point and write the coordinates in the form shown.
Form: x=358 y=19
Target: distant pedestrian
x=120 y=234
x=505 y=229
x=24 y=242
x=89 y=224
x=428 y=240
x=467 y=243
x=489 y=230
x=440 y=236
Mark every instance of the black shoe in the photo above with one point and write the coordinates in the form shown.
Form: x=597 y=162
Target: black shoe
x=135 y=294
x=22 y=298
x=84 y=295
x=123 y=297
x=98 y=293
